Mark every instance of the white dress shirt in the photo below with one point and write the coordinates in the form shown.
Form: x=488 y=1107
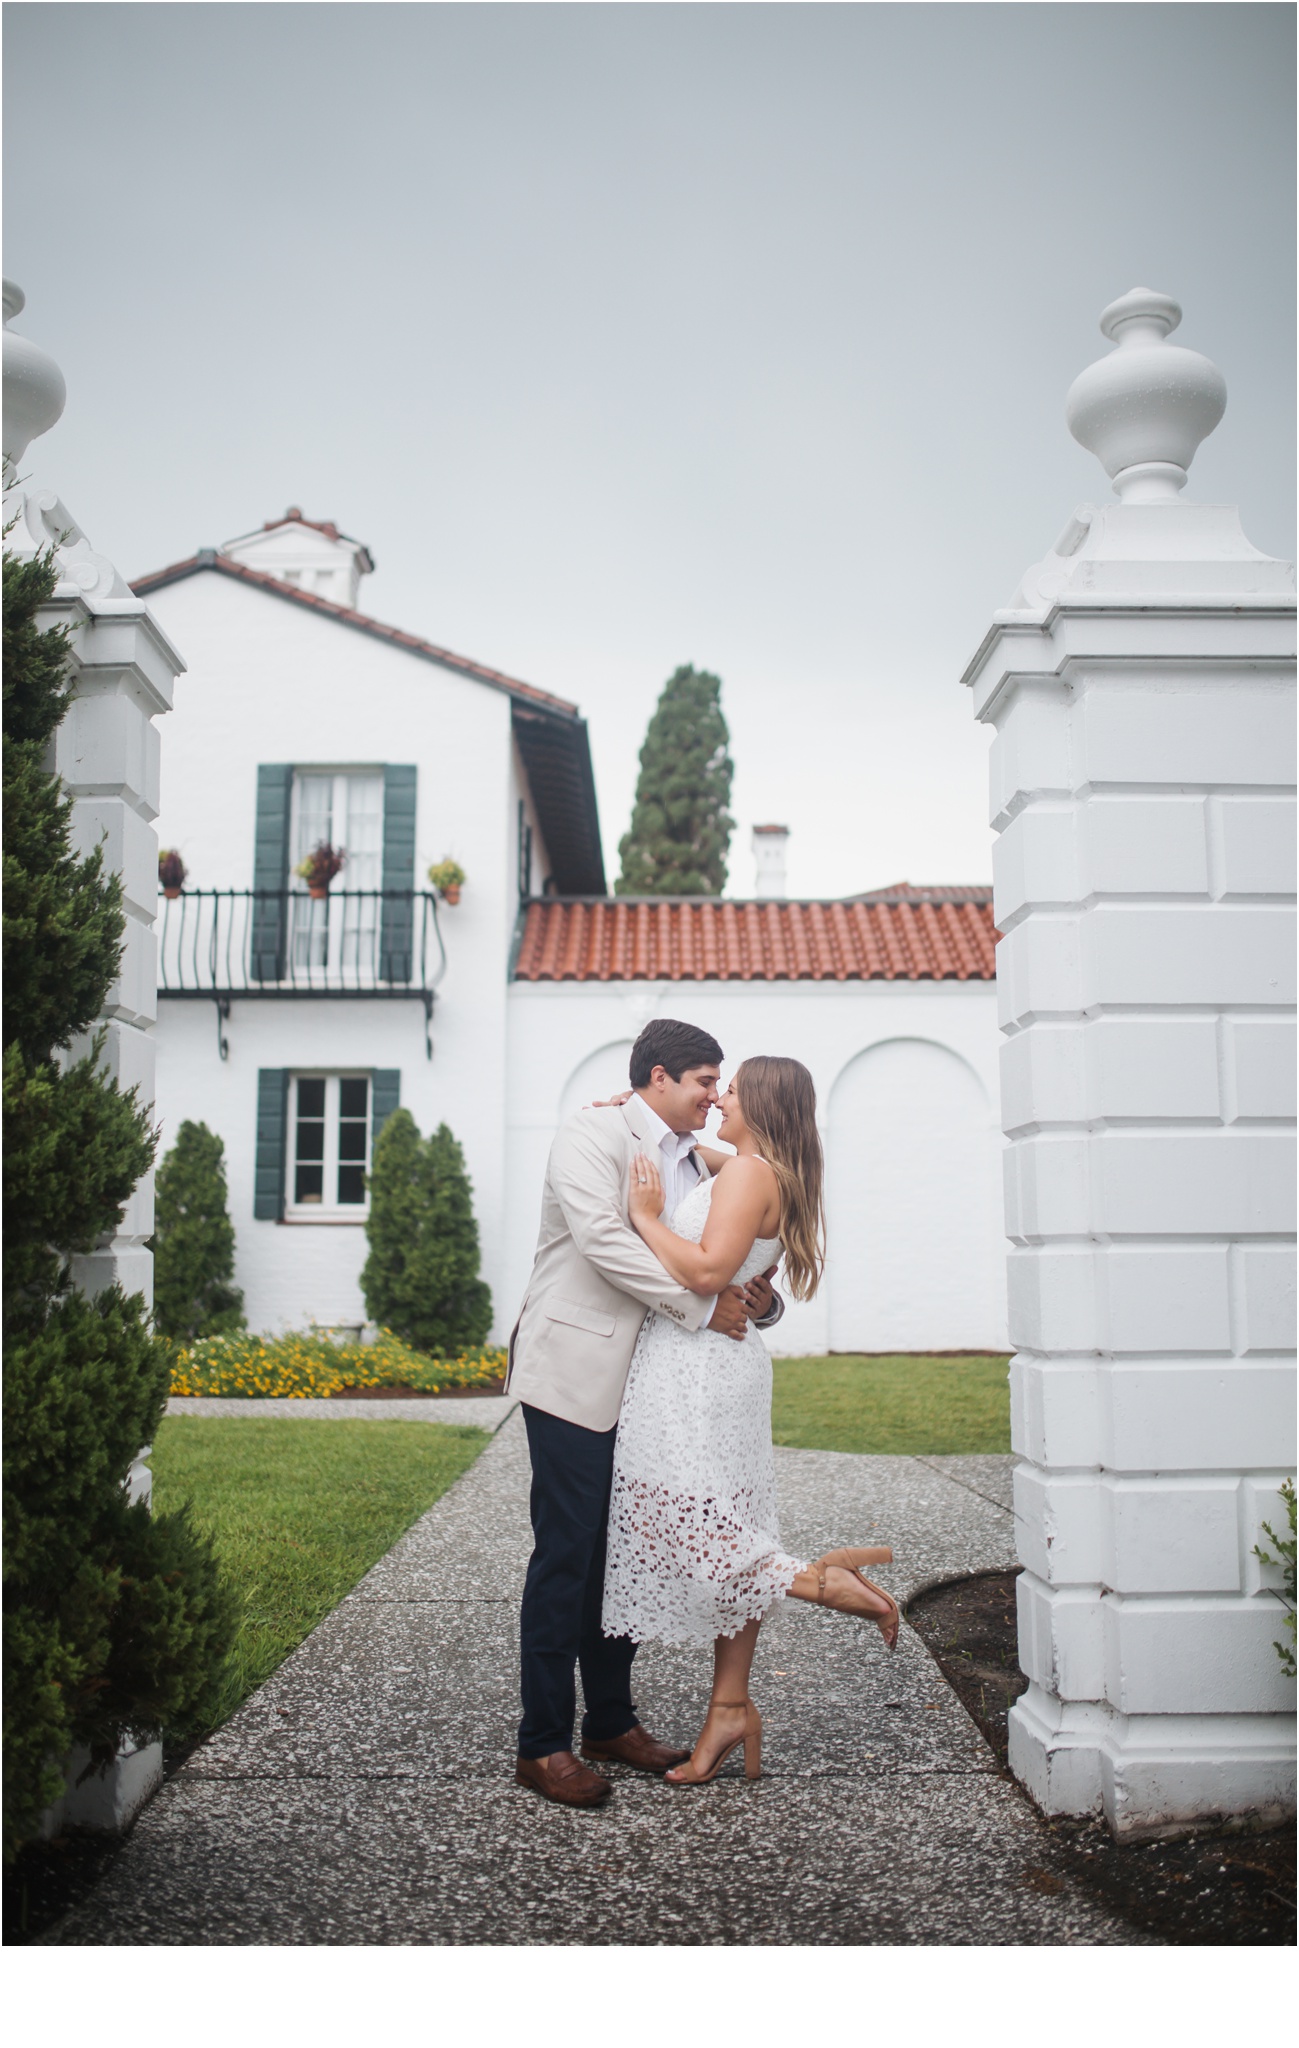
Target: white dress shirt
x=673 y=1151
x=679 y=1174
x=678 y=1171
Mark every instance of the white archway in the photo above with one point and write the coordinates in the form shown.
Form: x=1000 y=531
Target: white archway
x=913 y=1199
x=601 y=1074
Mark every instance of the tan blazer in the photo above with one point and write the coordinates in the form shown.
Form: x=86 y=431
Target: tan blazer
x=593 y=1278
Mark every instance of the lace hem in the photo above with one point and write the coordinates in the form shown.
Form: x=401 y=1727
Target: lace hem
x=689 y=1616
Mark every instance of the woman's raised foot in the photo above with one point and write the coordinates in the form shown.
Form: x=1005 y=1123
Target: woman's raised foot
x=850 y=1592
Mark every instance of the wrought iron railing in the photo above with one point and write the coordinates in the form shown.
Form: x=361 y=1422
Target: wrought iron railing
x=222 y=944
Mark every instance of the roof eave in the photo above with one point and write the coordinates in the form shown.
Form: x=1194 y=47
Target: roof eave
x=208 y=559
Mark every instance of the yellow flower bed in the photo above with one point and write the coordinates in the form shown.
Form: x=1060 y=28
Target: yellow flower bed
x=310 y=1365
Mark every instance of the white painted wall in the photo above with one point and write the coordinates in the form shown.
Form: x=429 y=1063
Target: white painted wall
x=914 y=1234
x=914 y=1191
x=271 y=681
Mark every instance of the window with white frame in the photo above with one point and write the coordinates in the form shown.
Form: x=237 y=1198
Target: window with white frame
x=328 y=1148
x=341 y=807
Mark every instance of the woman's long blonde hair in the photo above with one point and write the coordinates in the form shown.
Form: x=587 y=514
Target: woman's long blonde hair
x=778 y=1103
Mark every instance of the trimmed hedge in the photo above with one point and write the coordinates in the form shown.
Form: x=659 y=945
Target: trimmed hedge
x=421 y=1276
x=194 y=1294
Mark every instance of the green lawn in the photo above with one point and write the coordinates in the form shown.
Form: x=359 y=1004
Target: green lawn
x=299 y=1511
x=897 y=1405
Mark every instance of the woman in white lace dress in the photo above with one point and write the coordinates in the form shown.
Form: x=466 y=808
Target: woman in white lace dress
x=694 y=1545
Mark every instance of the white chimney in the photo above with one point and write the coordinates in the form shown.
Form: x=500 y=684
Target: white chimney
x=310 y=553
x=769 y=860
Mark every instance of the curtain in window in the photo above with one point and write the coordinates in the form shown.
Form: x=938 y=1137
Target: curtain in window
x=343 y=808
x=364 y=870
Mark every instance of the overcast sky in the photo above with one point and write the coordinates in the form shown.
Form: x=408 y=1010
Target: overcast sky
x=633 y=335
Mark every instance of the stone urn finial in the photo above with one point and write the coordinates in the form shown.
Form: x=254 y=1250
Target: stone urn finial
x=34 y=390
x=1144 y=409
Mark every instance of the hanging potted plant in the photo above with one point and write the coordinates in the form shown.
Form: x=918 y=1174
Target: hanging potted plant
x=320 y=867
x=448 y=878
x=171 y=872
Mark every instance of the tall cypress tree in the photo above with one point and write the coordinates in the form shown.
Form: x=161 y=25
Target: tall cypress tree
x=420 y=1278
x=116 y=1623
x=680 y=826
x=194 y=1241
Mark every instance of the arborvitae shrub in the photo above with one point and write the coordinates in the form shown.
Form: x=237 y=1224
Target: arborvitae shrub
x=194 y=1241
x=680 y=826
x=115 y=1623
x=421 y=1276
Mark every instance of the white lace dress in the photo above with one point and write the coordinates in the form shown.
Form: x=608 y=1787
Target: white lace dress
x=694 y=1546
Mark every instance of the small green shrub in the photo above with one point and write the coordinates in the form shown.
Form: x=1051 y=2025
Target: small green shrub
x=420 y=1278
x=194 y=1241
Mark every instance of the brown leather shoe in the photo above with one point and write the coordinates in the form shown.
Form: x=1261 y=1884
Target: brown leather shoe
x=562 y=1778
x=637 y=1748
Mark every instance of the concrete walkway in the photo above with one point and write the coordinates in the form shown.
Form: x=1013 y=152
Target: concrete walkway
x=366 y=1795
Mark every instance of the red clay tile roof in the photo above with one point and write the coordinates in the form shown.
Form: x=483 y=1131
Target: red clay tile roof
x=672 y=939
x=926 y=892
x=208 y=558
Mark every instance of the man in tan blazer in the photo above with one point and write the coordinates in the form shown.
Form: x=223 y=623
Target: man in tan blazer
x=593 y=1281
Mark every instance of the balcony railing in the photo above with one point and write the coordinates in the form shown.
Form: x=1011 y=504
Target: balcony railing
x=221 y=944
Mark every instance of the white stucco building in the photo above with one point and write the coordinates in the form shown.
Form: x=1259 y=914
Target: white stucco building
x=292 y=1027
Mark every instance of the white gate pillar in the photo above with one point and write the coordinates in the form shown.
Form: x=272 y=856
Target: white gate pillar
x=1141 y=687
x=106 y=752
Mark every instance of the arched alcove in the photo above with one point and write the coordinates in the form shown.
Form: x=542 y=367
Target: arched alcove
x=601 y=1074
x=913 y=1200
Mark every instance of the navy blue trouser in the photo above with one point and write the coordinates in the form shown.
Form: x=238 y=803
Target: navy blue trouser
x=572 y=1474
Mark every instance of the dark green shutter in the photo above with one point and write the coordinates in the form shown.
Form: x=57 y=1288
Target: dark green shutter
x=272 y=1133
x=385 y=1096
x=270 y=873
x=397 y=924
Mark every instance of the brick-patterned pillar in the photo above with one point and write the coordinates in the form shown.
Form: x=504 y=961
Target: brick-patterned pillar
x=1141 y=686
x=106 y=751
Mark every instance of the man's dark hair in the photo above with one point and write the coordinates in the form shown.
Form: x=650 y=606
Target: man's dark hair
x=678 y=1047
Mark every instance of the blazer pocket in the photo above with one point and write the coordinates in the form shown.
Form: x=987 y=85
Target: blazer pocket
x=581 y=1316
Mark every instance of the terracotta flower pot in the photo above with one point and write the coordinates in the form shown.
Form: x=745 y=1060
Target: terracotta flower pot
x=451 y=894
x=171 y=894
x=318 y=891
